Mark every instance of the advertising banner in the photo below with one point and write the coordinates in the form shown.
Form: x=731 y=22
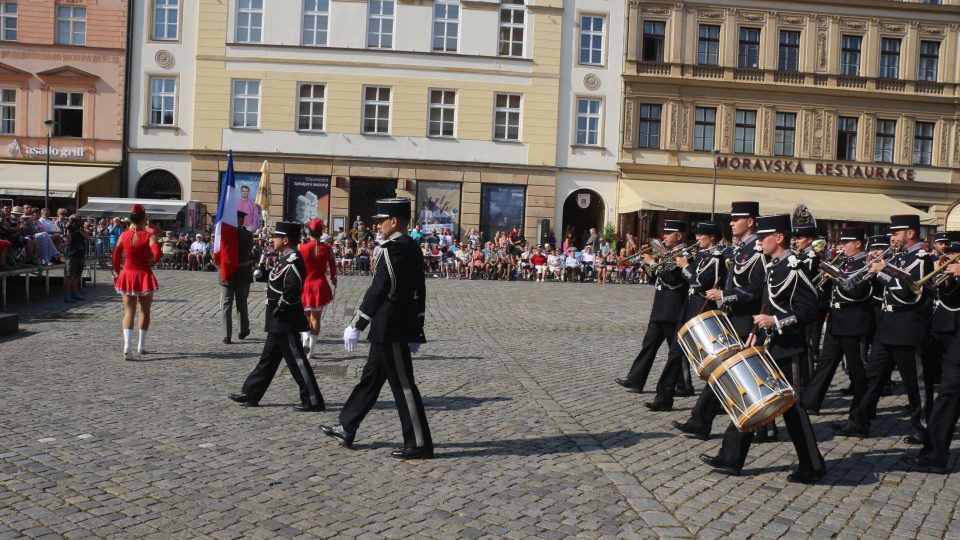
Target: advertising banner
x=306 y=197
x=438 y=206
x=247 y=185
x=501 y=207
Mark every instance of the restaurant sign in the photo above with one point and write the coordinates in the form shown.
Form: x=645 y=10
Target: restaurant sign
x=19 y=150
x=788 y=166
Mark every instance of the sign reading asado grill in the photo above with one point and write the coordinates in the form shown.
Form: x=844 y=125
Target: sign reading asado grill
x=789 y=166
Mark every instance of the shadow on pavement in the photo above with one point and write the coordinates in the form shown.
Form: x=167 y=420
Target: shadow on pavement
x=558 y=444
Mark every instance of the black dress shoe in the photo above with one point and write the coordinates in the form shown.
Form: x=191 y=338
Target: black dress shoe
x=226 y=341
x=805 y=477
x=719 y=466
x=689 y=430
x=913 y=439
x=243 y=335
x=813 y=412
x=658 y=406
x=925 y=464
x=629 y=385
x=244 y=399
x=309 y=408
x=684 y=392
x=337 y=432
x=851 y=430
x=422 y=452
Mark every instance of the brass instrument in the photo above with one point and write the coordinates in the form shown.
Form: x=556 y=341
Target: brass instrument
x=669 y=261
x=863 y=274
x=916 y=286
x=655 y=246
x=826 y=273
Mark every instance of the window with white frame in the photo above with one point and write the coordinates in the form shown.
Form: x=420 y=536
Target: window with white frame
x=588 y=121
x=68 y=114
x=850 y=55
x=506 y=117
x=929 y=59
x=249 y=21
x=8 y=21
x=310 y=103
x=591 y=40
x=163 y=101
x=708 y=45
x=886 y=138
x=8 y=111
x=376 y=110
x=71 y=25
x=246 y=104
x=380 y=24
x=316 y=22
x=166 y=20
x=923 y=144
x=745 y=132
x=749 y=56
x=785 y=134
x=446 y=25
x=649 y=135
x=705 y=128
x=512 y=24
x=443 y=106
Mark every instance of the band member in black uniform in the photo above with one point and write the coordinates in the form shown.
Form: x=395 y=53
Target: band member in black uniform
x=668 y=304
x=739 y=297
x=943 y=323
x=899 y=334
x=941 y=241
x=850 y=324
x=804 y=246
x=393 y=307
x=706 y=272
x=285 y=320
x=791 y=302
x=946 y=408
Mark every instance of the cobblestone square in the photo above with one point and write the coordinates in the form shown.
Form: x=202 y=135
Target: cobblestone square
x=534 y=439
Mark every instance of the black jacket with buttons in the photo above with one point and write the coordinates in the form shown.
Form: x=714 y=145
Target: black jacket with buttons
x=851 y=306
x=792 y=299
x=743 y=290
x=284 y=311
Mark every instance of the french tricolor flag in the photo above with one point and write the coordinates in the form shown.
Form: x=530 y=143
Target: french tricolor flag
x=226 y=243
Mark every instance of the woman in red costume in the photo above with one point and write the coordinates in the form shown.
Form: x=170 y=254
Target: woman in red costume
x=136 y=282
x=318 y=257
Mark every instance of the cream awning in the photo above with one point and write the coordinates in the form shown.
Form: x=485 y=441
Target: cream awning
x=29 y=179
x=113 y=207
x=829 y=205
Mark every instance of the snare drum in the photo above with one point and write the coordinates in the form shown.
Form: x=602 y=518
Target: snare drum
x=708 y=339
x=752 y=389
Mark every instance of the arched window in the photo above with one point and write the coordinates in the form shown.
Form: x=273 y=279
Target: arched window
x=159 y=184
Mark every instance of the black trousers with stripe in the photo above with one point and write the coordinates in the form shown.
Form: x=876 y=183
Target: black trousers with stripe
x=916 y=380
x=946 y=409
x=736 y=444
x=286 y=346
x=835 y=348
x=389 y=362
x=656 y=334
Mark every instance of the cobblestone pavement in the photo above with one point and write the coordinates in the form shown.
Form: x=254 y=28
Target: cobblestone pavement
x=533 y=437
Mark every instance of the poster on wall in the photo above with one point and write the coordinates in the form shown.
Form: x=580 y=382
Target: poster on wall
x=306 y=197
x=501 y=207
x=438 y=206
x=247 y=186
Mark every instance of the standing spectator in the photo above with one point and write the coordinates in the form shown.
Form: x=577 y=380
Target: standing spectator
x=474 y=238
x=416 y=234
x=114 y=231
x=75 y=244
x=341 y=236
x=362 y=234
x=357 y=223
x=568 y=242
x=593 y=240
x=446 y=238
x=195 y=257
x=516 y=240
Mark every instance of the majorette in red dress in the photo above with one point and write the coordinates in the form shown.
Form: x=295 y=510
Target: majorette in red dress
x=136 y=278
x=318 y=257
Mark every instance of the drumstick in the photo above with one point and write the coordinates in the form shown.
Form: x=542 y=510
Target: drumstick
x=753 y=333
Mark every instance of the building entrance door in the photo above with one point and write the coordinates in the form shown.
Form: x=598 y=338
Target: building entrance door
x=364 y=193
x=582 y=211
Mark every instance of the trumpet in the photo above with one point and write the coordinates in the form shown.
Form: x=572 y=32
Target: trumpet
x=916 y=286
x=862 y=274
x=826 y=272
x=669 y=261
x=656 y=247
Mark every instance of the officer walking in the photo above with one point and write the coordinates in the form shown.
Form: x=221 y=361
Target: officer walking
x=237 y=286
x=285 y=320
x=393 y=307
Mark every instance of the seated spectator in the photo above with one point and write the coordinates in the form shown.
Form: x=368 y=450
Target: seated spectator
x=539 y=263
x=491 y=261
x=525 y=266
x=571 y=266
x=347 y=258
x=416 y=234
x=447 y=261
x=506 y=264
x=477 y=261
x=168 y=249
x=554 y=264
x=49 y=226
x=463 y=257
x=587 y=259
x=623 y=269
x=446 y=238
x=195 y=256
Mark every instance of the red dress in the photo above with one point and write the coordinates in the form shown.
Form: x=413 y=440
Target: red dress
x=136 y=278
x=318 y=257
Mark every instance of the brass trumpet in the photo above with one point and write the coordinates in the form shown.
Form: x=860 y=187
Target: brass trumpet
x=654 y=246
x=916 y=286
x=863 y=274
x=824 y=274
x=669 y=260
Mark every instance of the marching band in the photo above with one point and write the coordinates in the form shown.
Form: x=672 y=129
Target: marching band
x=750 y=317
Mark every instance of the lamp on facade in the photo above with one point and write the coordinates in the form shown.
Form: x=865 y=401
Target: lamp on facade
x=46 y=189
x=713 y=202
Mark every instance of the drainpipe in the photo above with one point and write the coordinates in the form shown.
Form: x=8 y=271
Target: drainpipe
x=125 y=132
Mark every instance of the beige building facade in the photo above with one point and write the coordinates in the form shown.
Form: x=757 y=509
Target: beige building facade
x=850 y=108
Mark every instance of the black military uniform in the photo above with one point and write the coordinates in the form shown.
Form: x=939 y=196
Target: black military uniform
x=393 y=307
x=706 y=272
x=285 y=320
x=742 y=294
x=943 y=322
x=237 y=287
x=810 y=264
x=946 y=409
x=849 y=327
x=668 y=304
x=898 y=338
x=791 y=299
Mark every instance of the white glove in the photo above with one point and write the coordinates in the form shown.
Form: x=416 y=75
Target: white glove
x=414 y=348
x=350 y=337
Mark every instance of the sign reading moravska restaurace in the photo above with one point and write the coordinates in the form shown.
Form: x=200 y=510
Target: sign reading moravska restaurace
x=788 y=166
